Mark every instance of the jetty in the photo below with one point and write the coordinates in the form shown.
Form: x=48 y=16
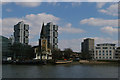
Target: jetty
x=63 y=62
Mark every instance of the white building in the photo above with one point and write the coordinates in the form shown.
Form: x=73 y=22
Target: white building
x=46 y=55
x=117 y=53
x=104 y=51
x=21 y=33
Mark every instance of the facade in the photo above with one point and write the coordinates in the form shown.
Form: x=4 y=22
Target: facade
x=21 y=33
x=11 y=39
x=37 y=52
x=104 y=51
x=45 y=51
x=45 y=54
x=51 y=34
x=87 y=46
x=5 y=47
x=47 y=42
x=117 y=53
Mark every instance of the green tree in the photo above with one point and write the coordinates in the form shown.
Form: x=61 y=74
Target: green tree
x=67 y=53
x=56 y=54
x=22 y=51
x=85 y=56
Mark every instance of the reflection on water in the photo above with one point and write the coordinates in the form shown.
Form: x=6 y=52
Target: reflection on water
x=60 y=71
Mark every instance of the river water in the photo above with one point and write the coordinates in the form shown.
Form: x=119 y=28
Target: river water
x=60 y=71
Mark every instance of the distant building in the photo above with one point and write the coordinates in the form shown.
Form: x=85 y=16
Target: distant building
x=45 y=51
x=11 y=38
x=5 y=45
x=51 y=34
x=104 y=51
x=37 y=52
x=47 y=42
x=87 y=46
x=117 y=53
x=21 y=33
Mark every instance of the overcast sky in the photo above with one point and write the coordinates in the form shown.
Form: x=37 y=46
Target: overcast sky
x=76 y=21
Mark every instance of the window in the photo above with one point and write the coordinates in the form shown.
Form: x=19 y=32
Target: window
x=105 y=48
x=98 y=48
x=98 y=44
x=103 y=51
x=99 y=52
x=113 y=47
x=110 y=52
x=107 y=51
x=44 y=42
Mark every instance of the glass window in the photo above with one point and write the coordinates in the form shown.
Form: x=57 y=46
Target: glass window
x=107 y=51
x=103 y=51
x=98 y=48
x=105 y=48
x=99 y=52
x=110 y=52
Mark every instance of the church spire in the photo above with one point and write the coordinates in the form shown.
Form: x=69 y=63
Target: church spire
x=43 y=31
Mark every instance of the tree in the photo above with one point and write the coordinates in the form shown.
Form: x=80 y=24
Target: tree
x=55 y=54
x=67 y=53
x=85 y=56
x=22 y=51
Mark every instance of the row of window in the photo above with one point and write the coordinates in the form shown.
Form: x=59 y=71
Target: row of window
x=104 y=51
x=105 y=47
x=104 y=54
x=105 y=44
x=103 y=57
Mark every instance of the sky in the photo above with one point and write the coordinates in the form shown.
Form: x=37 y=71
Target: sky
x=76 y=21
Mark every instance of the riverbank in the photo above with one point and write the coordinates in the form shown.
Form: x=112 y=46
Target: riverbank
x=38 y=62
x=98 y=62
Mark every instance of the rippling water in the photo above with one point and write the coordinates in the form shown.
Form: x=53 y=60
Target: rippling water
x=60 y=71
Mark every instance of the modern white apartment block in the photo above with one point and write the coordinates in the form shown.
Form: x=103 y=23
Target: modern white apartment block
x=51 y=34
x=117 y=53
x=105 y=51
x=21 y=33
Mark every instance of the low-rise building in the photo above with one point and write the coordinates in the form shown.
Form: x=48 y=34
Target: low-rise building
x=117 y=53
x=5 y=45
x=105 y=51
x=42 y=55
